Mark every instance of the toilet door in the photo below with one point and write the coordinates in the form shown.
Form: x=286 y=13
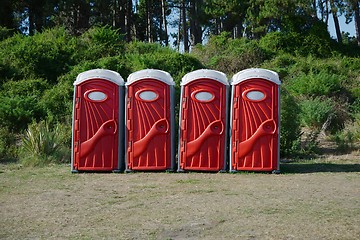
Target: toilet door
x=203 y=125
x=255 y=124
x=96 y=114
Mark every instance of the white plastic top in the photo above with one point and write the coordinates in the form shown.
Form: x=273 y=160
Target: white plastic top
x=109 y=75
x=150 y=73
x=204 y=73
x=255 y=73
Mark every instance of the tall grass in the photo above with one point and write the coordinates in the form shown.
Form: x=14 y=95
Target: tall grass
x=42 y=145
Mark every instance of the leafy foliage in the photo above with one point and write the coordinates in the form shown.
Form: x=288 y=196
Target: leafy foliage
x=230 y=55
x=290 y=125
x=42 y=145
x=46 y=55
x=20 y=103
x=320 y=85
x=316 y=84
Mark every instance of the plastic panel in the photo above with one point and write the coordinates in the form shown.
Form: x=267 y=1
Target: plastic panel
x=255 y=126
x=149 y=126
x=96 y=127
x=202 y=130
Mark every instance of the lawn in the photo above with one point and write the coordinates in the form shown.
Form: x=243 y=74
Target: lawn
x=317 y=199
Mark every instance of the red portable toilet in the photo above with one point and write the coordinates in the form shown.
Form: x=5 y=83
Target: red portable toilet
x=149 y=121
x=255 y=121
x=203 y=121
x=97 y=128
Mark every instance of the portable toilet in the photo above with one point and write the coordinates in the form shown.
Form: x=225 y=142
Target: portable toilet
x=97 y=127
x=150 y=121
x=255 y=121
x=203 y=121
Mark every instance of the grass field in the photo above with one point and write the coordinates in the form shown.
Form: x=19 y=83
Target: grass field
x=315 y=199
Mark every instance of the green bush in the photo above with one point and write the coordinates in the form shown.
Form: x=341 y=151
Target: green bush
x=7 y=145
x=315 y=42
x=344 y=141
x=290 y=125
x=138 y=48
x=230 y=55
x=316 y=84
x=5 y=33
x=101 y=42
x=45 y=55
x=175 y=63
x=42 y=145
x=20 y=103
x=315 y=112
x=283 y=42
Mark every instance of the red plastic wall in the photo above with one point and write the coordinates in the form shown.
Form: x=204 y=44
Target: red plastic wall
x=96 y=127
x=203 y=127
x=255 y=127
x=148 y=126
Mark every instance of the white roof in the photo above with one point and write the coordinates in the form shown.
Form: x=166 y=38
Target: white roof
x=204 y=73
x=105 y=74
x=255 y=73
x=150 y=73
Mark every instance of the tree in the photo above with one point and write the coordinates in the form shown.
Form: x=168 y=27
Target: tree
x=74 y=15
x=334 y=10
x=164 y=13
x=7 y=18
x=184 y=24
x=353 y=10
x=226 y=16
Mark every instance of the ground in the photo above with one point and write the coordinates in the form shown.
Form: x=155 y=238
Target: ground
x=312 y=199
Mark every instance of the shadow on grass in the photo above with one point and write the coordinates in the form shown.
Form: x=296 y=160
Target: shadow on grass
x=318 y=167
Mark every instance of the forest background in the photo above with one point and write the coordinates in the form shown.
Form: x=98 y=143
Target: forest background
x=45 y=44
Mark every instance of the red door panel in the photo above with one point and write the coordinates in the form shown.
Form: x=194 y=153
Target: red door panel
x=96 y=126
x=203 y=123
x=148 y=125
x=255 y=126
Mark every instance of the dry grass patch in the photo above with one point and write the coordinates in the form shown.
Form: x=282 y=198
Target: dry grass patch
x=305 y=202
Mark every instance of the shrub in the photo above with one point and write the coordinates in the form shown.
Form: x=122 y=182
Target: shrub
x=20 y=103
x=283 y=42
x=315 y=112
x=5 y=33
x=45 y=55
x=175 y=63
x=230 y=55
x=344 y=141
x=100 y=42
x=290 y=125
x=7 y=145
x=316 y=84
x=42 y=145
x=315 y=41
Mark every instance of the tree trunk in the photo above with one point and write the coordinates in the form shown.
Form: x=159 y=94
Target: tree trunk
x=179 y=30
x=148 y=21
x=115 y=14
x=164 y=22
x=195 y=27
x=327 y=13
x=6 y=15
x=185 y=29
x=121 y=14
x=128 y=20
x=334 y=11
x=357 y=20
x=31 y=22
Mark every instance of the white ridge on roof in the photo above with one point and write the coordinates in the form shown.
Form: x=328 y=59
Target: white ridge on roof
x=204 y=73
x=150 y=73
x=255 y=73
x=109 y=75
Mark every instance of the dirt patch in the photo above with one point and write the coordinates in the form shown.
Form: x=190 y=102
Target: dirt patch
x=53 y=203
